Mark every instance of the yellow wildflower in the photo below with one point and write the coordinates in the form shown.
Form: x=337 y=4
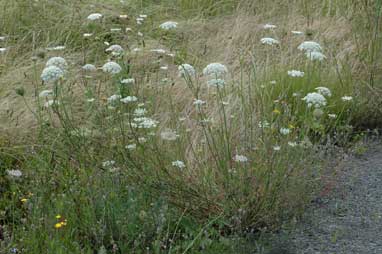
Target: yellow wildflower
x=58 y=216
x=58 y=225
x=23 y=200
x=276 y=111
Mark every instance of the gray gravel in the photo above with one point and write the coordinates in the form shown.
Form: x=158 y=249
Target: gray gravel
x=349 y=220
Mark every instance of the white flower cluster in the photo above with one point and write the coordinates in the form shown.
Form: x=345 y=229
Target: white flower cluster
x=240 y=158
x=129 y=99
x=94 y=16
x=315 y=99
x=285 y=131
x=89 y=67
x=186 y=70
x=216 y=72
x=52 y=74
x=115 y=50
x=169 y=135
x=324 y=91
x=179 y=164
x=312 y=50
x=111 y=68
x=269 y=41
x=168 y=25
x=296 y=74
x=58 y=62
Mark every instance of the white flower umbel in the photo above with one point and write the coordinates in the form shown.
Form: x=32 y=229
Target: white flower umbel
x=240 y=158
x=115 y=49
x=297 y=32
x=169 y=25
x=186 y=70
x=332 y=116
x=140 y=112
x=199 y=102
x=114 y=98
x=95 y=16
x=107 y=164
x=324 y=91
x=14 y=173
x=215 y=70
x=111 y=68
x=129 y=99
x=296 y=74
x=52 y=74
x=315 y=99
x=310 y=46
x=128 y=81
x=89 y=67
x=346 y=98
x=131 y=147
x=58 y=62
x=218 y=83
x=285 y=131
x=315 y=56
x=269 y=26
x=178 y=164
x=145 y=122
x=276 y=148
x=269 y=41
x=45 y=93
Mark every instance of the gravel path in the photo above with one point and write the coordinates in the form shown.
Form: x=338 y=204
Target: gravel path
x=349 y=221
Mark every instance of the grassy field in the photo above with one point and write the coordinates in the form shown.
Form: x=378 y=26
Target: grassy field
x=176 y=126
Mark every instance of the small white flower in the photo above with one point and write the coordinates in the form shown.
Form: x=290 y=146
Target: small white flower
x=297 y=32
x=179 y=164
x=332 y=116
x=269 y=41
x=159 y=51
x=143 y=16
x=112 y=68
x=169 y=135
x=315 y=99
x=315 y=55
x=89 y=67
x=292 y=144
x=142 y=140
x=263 y=124
x=56 y=48
x=164 y=68
x=90 y=100
x=186 y=70
x=346 y=98
x=45 y=93
x=129 y=99
x=94 y=16
x=128 y=81
x=218 y=83
x=273 y=82
x=324 y=91
x=295 y=73
x=107 y=164
x=169 y=25
x=128 y=29
x=87 y=35
x=113 y=98
x=58 y=62
x=113 y=30
x=285 y=131
x=123 y=16
x=14 y=173
x=140 y=34
x=240 y=158
x=3 y=50
x=215 y=70
x=199 y=102
x=52 y=74
x=269 y=26
x=131 y=147
x=115 y=49
x=140 y=111
x=310 y=46
x=276 y=148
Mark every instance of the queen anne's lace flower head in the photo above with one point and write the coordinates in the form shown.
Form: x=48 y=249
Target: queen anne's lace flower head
x=58 y=62
x=295 y=73
x=112 y=68
x=315 y=99
x=128 y=81
x=52 y=74
x=240 y=158
x=179 y=164
x=324 y=91
x=186 y=70
x=129 y=99
x=346 y=98
x=168 y=25
x=169 y=135
x=215 y=70
x=94 y=16
x=89 y=67
x=315 y=55
x=310 y=46
x=115 y=49
x=285 y=131
x=218 y=83
x=269 y=41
